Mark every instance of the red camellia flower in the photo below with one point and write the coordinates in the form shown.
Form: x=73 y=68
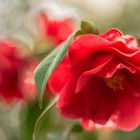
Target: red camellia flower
x=98 y=81
x=58 y=30
x=11 y=66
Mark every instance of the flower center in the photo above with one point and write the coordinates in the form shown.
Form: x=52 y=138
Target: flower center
x=116 y=82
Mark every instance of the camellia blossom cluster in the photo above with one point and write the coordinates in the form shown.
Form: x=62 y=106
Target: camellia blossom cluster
x=98 y=81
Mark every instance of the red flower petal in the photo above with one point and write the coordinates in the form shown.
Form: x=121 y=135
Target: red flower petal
x=112 y=34
x=106 y=102
x=90 y=125
x=112 y=67
x=85 y=45
x=60 y=76
x=70 y=103
x=130 y=41
x=128 y=113
x=97 y=66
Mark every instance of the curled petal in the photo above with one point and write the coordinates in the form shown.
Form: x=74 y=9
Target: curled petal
x=112 y=34
x=85 y=45
x=130 y=41
x=85 y=76
x=115 y=35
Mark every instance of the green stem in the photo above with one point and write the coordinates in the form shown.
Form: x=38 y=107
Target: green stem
x=42 y=117
x=66 y=134
x=105 y=135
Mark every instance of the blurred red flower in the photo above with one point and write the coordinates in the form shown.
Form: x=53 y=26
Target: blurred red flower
x=11 y=67
x=98 y=81
x=57 y=30
x=27 y=81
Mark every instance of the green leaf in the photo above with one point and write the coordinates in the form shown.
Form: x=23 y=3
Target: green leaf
x=40 y=72
x=48 y=65
x=87 y=27
x=42 y=117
